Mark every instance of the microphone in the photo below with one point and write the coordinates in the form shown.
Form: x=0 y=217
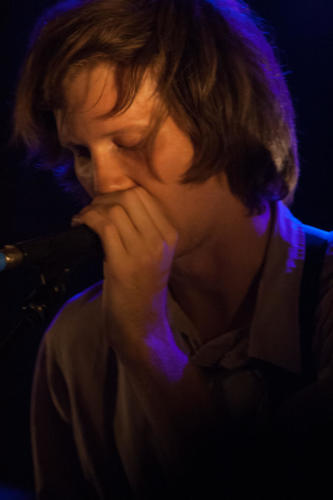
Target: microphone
x=76 y=242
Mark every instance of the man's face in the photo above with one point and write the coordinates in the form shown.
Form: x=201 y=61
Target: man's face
x=108 y=157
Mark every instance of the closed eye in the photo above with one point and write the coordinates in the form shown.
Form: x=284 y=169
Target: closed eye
x=130 y=142
x=128 y=147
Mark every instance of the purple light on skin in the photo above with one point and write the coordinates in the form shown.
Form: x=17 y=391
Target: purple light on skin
x=166 y=355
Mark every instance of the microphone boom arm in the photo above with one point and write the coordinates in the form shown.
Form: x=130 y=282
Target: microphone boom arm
x=71 y=244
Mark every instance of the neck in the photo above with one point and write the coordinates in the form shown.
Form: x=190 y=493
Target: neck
x=222 y=274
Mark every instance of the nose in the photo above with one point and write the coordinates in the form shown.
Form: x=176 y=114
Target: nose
x=110 y=173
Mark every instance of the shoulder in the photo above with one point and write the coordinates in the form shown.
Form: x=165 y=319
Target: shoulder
x=326 y=278
x=328 y=264
x=325 y=240
x=291 y=238
x=74 y=359
x=329 y=252
x=76 y=330
x=324 y=312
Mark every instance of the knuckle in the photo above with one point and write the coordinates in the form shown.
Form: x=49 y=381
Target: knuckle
x=88 y=216
x=108 y=231
x=126 y=196
x=115 y=211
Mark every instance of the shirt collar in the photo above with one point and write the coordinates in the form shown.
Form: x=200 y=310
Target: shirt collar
x=274 y=334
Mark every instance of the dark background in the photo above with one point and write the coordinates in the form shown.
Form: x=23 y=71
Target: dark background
x=31 y=203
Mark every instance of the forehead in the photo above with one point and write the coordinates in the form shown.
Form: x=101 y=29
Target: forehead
x=91 y=92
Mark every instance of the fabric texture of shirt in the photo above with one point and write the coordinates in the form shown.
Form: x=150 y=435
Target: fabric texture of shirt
x=90 y=436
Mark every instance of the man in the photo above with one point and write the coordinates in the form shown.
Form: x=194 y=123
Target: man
x=179 y=370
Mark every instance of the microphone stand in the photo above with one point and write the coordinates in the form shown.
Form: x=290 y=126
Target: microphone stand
x=55 y=284
x=39 y=306
x=23 y=324
x=46 y=289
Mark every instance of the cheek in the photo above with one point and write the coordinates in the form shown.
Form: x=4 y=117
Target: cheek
x=171 y=167
x=130 y=165
x=172 y=157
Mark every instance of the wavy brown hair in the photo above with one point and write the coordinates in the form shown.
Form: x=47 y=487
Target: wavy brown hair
x=215 y=71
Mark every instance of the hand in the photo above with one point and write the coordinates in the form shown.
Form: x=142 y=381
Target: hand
x=139 y=244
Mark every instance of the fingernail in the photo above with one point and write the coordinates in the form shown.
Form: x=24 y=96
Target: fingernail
x=76 y=221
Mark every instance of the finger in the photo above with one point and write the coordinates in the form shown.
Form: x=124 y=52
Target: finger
x=127 y=230
x=108 y=233
x=160 y=220
x=136 y=210
x=141 y=218
x=146 y=215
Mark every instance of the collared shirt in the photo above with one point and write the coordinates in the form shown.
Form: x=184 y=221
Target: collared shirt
x=84 y=411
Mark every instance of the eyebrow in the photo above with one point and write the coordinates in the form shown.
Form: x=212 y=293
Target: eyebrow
x=126 y=128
